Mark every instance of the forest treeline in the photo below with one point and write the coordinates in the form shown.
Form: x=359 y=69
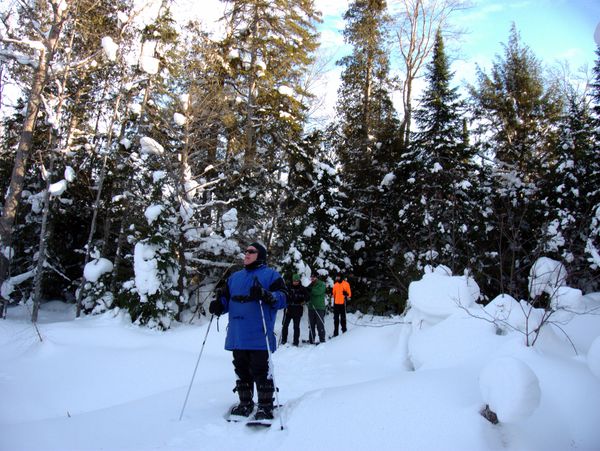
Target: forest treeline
x=145 y=153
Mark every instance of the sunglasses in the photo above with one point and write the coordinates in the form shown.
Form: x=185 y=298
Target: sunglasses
x=251 y=251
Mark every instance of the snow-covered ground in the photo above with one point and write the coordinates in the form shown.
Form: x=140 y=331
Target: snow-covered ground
x=405 y=383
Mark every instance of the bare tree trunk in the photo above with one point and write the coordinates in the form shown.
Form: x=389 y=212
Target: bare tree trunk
x=52 y=147
x=250 y=151
x=183 y=196
x=96 y=209
x=367 y=104
x=13 y=196
x=37 y=281
x=118 y=259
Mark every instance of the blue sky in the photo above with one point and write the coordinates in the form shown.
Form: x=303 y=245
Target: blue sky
x=555 y=30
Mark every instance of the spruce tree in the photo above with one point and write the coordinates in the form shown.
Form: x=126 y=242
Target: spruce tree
x=593 y=181
x=435 y=181
x=312 y=236
x=364 y=141
x=517 y=114
x=267 y=49
x=568 y=188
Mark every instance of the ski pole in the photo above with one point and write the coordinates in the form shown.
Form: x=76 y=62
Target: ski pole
x=310 y=333
x=321 y=320
x=196 y=368
x=345 y=311
x=262 y=314
x=282 y=324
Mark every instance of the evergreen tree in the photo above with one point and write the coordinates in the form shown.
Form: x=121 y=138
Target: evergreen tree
x=517 y=114
x=267 y=49
x=364 y=141
x=593 y=180
x=435 y=181
x=567 y=188
x=313 y=238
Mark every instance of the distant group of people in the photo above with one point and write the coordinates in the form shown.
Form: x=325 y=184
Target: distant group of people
x=252 y=297
x=314 y=298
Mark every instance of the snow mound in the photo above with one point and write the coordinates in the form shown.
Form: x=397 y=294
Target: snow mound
x=388 y=179
x=458 y=340
x=510 y=388
x=439 y=294
x=567 y=298
x=69 y=174
x=148 y=63
x=58 y=188
x=512 y=315
x=593 y=357
x=230 y=222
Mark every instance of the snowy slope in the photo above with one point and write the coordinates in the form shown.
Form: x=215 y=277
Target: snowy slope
x=102 y=383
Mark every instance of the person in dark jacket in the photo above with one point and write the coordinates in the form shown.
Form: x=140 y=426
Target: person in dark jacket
x=316 y=309
x=252 y=297
x=298 y=295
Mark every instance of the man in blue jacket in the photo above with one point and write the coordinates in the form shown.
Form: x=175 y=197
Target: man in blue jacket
x=252 y=297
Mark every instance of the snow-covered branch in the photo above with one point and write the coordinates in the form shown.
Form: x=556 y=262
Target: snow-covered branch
x=20 y=58
x=59 y=68
x=205 y=262
x=35 y=45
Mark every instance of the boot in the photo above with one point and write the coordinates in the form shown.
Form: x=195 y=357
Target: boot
x=265 y=400
x=245 y=391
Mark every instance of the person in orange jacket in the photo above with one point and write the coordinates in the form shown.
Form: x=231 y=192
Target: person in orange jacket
x=341 y=293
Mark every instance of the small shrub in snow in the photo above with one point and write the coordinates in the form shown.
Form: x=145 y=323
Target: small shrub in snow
x=545 y=276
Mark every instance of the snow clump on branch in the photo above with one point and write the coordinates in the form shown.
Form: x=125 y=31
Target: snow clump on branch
x=110 y=48
x=150 y=147
x=96 y=268
x=545 y=276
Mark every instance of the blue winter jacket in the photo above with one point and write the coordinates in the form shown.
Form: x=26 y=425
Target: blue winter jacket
x=245 y=330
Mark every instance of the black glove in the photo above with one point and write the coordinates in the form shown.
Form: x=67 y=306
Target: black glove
x=259 y=293
x=345 y=293
x=216 y=308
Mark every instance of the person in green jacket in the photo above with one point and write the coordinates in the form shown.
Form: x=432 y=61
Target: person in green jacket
x=316 y=309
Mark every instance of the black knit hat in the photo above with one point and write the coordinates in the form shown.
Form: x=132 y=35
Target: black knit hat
x=262 y=252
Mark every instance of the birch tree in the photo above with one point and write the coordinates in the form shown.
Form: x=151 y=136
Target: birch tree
x=417 y=22
x=36 y=49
